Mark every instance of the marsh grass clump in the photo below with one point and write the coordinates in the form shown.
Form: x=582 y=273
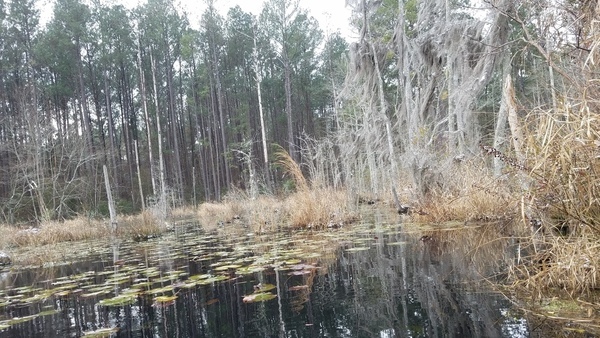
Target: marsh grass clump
x=318 y=209
x=265 y=213
x=54 y=232
x=565 y=169
x=314 y=209
x=563 y=263
x=143 y=225
x=469 y=192
x=80 y=229
x=215 y=214
x=313 y=205
x=184 y=212
x=308 y=205
x=562 y=191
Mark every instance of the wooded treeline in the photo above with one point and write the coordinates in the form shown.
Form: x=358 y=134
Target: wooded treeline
x=424 y=85
x=100 y=84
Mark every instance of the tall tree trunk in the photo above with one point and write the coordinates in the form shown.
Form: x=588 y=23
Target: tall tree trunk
x=139 y=175
x=199 y=131
x=128 y=129
x=111 y=203
x=111 y=128
x=180 y=127
x=161 y=164
x=221 y=110
x=287 y=68
x=87 y=124
x=263 y=132
x=146 y=118
x=173 y=126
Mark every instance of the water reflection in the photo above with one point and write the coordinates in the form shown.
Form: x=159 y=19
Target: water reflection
x=373 y=281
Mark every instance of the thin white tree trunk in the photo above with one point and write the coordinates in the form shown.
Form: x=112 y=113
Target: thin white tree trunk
x=263 y=131
x=111 y=202
x=288 y=105
x=139 y=176
x=163 y=185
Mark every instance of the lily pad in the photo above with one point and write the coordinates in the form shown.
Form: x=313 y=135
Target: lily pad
x=64 y=293
x=187 y=285
x=292 y=261
x=164 y=300
x=397 y=243
x=18 y=320
x=63 y=282
x=357 y=249
x=33 y=299
x=164 y=289
x=101 y=333
x=151 y=272
x=302 y=267
x=95 y=294
x=259 y=297
x=249 y=270
x=141 y=285
x=263 y=287
x=213 y=280
x=199 y=277
x=300 y=272
x=228 y=267
x=121 y=300
x=164 y=279
x=25 y=289
x=48 y=312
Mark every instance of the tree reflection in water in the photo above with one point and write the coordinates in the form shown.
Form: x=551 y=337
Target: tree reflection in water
x=401 y=285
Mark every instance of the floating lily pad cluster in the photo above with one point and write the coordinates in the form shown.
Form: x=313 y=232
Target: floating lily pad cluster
x=158 y=270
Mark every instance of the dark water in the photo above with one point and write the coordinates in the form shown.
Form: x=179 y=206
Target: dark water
x=369 y=281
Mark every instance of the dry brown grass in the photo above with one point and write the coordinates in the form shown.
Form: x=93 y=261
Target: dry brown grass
x=291 y=168
x=569 y=264
x=78 y=229
x=238 y=209
x=565 y=166
x=313 y=209
x=469 y=193
x=307 y=207
x=214 y=214
x=264 y=214
x=54 y=232
x=319 y=208
x=564 y=188
x=141 y=225
x=313 y=205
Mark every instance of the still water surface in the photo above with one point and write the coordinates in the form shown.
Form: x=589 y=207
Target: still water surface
x=369 y=280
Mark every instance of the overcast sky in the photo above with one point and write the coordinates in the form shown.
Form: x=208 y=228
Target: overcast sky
x=332 y=15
